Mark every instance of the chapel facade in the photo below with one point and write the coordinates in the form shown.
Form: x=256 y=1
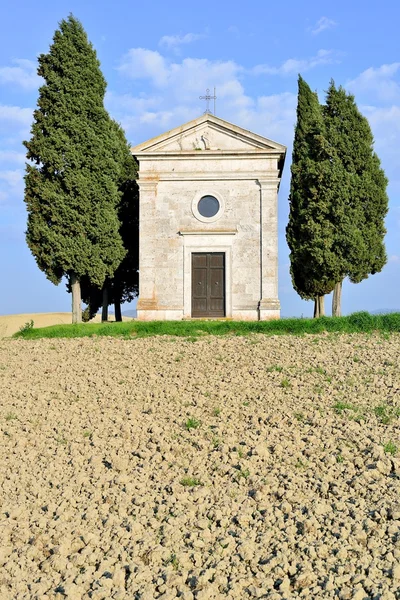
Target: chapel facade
x=208 y=223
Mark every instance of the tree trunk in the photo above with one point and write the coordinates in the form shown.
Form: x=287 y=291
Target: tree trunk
x=319 y=307
x=76 y=299
x=117 y=305
x=316 y=308
x=337 y=300
x=104 y=312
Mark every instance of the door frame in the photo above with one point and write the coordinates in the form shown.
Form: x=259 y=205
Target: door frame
x=212 y=242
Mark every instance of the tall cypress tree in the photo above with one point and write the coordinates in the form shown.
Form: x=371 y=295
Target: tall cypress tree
x=123 y=285
x=359 y=198
x=125 y=281
x=310 y=233
x=71 y=190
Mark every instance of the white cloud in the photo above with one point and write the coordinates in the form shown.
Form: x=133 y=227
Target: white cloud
x=172 y=41
x=193 y=74
x=11 y=156
x=190 y=76
x=377 y=92
x=131 y=103
x=140 y=63
x=272 y=116
x=385 y=122
x=11 y=186
x=16 y=114
x=175 y=87
x=378 y=83
x=12 y=178
x=322 y=24
x=23 y=74
x=292 y=66
x=394 y=258
x=385 y=125
x=14 y=125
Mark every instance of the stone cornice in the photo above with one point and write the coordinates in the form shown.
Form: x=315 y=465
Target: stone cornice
x=208 y=176
x=207 y=154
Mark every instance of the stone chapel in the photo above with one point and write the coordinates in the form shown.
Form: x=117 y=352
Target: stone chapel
x=208 y=223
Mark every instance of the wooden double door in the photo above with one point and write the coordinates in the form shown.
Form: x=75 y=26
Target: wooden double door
x=208 y=284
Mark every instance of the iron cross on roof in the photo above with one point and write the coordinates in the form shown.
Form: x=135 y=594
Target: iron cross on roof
x=207 y=98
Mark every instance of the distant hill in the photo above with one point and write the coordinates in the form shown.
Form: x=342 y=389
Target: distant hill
x=130 y=313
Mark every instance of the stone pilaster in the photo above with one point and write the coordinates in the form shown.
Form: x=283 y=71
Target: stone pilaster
x=147 y=300
x=269 y=307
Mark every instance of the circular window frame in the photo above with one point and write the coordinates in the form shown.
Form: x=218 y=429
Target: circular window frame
x=196 y=201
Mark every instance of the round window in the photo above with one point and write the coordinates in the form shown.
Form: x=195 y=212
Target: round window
x=208 y=206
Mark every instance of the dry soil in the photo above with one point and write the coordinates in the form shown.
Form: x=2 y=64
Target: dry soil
x=228 y=467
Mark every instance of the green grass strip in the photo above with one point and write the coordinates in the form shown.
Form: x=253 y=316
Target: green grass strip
x=355 y=323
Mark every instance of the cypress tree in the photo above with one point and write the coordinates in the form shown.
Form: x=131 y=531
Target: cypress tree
x=359 y=199
x=123 y=285
x=71 y=191
x=125 y=282
x=310 y=233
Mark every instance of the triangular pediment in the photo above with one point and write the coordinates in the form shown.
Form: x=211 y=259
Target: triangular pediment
x=211 y=133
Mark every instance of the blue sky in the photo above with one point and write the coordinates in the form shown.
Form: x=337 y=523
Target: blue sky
x=158 y=57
